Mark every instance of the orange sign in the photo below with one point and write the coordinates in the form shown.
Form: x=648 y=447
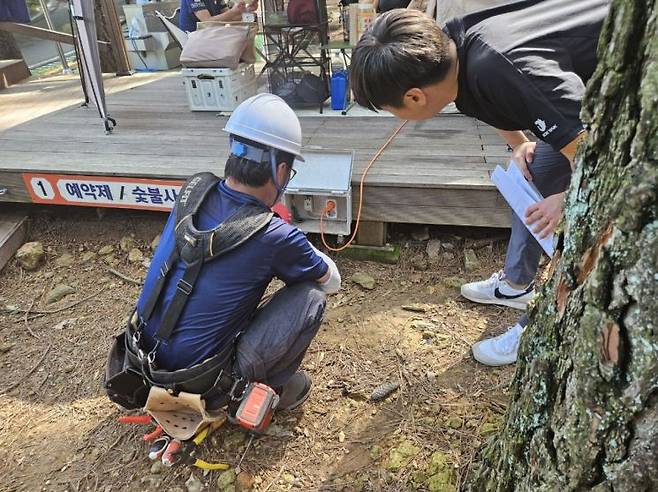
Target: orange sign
x=102 y=191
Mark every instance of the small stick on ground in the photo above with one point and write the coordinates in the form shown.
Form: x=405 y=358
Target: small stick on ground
x=27 y=313
x=15 y=385
x=43 y=312
x=123 y=276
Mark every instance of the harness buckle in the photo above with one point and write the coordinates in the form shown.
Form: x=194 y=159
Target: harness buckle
x=136 y=337
x=151 y=355
x=192 y=241
x=164 y=269
x=184 y=287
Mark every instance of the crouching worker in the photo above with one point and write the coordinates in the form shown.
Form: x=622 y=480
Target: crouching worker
x=199 y=326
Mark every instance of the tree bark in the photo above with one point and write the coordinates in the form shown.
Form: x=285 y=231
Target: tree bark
x=583 y=413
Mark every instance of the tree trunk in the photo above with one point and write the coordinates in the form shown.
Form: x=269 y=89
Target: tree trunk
x=583 y=413
x=8 y=47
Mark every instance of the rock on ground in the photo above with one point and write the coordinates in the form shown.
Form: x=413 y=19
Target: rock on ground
x=106 y=250
x=226 y=479
x=471 y=261
x=135 y=255
x=244 y=482
x=30 y=255
x=364 y=280
x=65 y=261
x=453 y=282
x=193 y=484
x=433 y=249
x=157 y=467
x=88 y=256
x=59 y=292
x=127 y=243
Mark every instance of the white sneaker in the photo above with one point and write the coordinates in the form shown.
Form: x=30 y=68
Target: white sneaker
x=500 y=350
x=496 y=290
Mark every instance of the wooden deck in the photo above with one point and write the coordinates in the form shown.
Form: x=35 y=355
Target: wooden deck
x=434 y=172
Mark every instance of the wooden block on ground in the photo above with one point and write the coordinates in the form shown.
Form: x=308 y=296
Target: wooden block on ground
x=12 y=72
x=371 y=233
x=13 y=229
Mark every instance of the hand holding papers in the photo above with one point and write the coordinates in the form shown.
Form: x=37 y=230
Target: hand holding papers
x=520 y=194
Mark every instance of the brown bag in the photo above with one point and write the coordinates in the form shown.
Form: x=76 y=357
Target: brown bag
x=215 y=47
x=249 y=53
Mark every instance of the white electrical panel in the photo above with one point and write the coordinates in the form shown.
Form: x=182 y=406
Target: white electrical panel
x=322 y=187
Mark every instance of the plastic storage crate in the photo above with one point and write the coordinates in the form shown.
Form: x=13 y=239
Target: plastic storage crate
x=218 y=89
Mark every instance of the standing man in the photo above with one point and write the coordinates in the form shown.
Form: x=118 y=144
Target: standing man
x=193 y=11
x=520 y=66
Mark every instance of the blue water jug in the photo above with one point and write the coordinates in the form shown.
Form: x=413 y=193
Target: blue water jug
x=339 y=90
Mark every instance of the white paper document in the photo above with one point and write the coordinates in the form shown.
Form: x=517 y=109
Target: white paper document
x=520 y=194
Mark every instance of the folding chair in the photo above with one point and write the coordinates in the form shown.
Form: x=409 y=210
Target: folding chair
x=291 y=49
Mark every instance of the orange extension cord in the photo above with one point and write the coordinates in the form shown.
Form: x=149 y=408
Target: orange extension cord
x=331 y=205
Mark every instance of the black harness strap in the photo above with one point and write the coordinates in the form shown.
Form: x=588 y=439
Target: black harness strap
x=187 y=204
x=195 y=247
x=154 y=296
x=175 y=308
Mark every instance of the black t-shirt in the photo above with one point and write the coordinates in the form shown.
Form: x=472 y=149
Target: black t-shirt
x=524 y=65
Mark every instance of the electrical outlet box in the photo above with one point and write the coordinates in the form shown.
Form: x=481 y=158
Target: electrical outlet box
x=324 y=177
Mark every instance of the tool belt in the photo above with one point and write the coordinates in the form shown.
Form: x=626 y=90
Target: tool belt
x=129 y=376
x=131 y=371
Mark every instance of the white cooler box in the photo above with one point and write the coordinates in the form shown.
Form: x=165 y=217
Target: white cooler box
x=218 y=89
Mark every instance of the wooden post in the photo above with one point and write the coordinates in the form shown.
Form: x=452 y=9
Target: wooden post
x=371 y=233
x=12 y=65
x=114 y=57
x=8 y=47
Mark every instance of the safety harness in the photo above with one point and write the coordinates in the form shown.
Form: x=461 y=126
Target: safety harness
x=131 y=370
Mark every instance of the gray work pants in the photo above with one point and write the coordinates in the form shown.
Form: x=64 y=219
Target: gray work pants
x=551 y=173
x=272 y=348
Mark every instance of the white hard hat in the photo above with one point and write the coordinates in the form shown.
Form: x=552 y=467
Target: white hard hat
x=268 y=120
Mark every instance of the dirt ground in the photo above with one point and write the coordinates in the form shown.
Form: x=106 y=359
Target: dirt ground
x=59 y=432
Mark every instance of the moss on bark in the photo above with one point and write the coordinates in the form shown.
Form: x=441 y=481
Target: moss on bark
x=584 y=403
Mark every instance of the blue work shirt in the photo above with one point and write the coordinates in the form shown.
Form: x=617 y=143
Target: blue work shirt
x=187 y=17
x=229 y=288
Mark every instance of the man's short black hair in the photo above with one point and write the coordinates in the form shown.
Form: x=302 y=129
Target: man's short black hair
x=402 y=49
x=251 y=173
